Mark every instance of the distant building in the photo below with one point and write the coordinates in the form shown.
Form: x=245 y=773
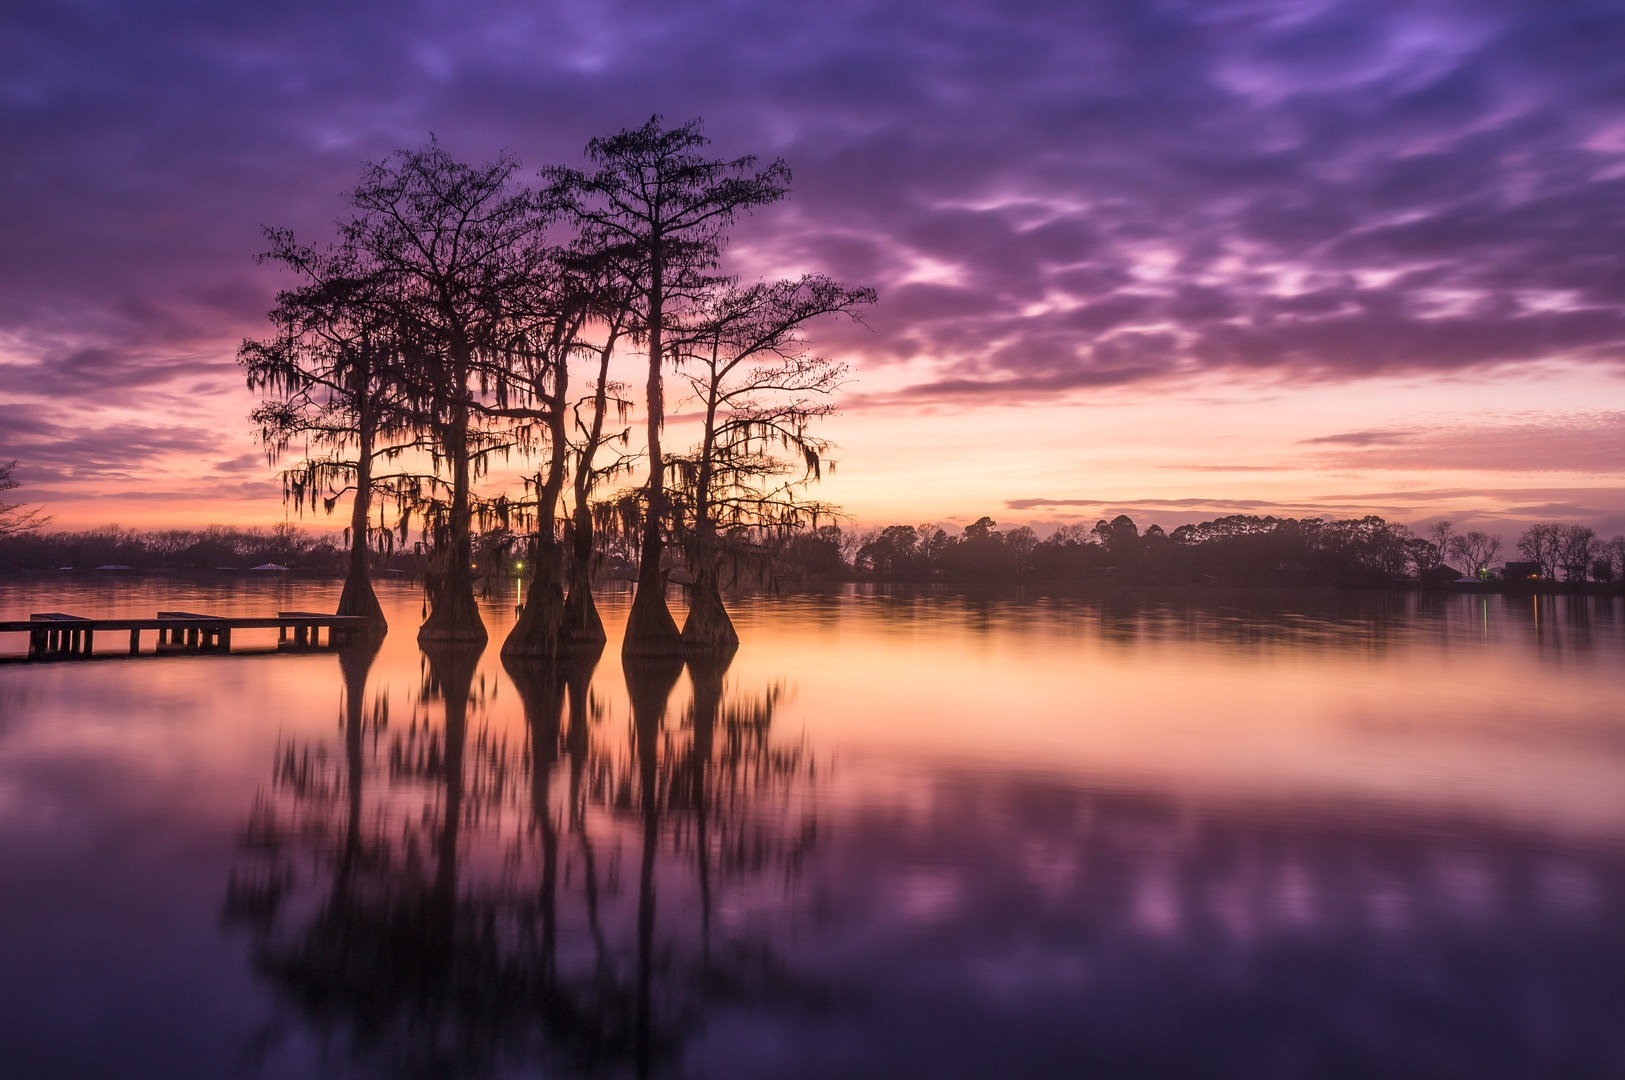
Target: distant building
x=1521 y=571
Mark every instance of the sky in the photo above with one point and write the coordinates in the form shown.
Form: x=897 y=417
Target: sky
x=1170 y=259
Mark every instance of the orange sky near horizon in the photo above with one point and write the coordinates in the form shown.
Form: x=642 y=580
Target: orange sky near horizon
x=1492 y=452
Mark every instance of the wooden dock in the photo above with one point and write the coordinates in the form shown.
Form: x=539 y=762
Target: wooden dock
x=54 y=635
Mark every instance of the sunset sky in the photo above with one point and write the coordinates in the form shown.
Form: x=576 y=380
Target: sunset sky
x=1173 y=259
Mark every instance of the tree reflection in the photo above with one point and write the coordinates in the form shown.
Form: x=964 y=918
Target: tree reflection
x=391 y=950
x=445 y=899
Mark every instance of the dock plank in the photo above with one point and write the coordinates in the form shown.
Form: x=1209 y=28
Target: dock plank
x=56 y=635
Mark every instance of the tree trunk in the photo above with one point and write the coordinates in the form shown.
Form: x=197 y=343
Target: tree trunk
x=708 y=629
x=454 y=615
x=537 y=633
x=358 y=597
x=650 y=629
x=539 y=630
x=583 y=628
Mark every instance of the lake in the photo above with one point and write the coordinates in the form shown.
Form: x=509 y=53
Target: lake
x=901 y=834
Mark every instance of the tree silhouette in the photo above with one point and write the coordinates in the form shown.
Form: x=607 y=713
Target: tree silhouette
x=1612 y=551
x=443 y=325
x=1576 y=551
x=657 y=208
x=979 y=552
x=1440 y=545
x=580 y=294
x=1475 y=550
x=1541 y=544
x=16 y=517
x=457 y=250
x=583 y=628
x=539 y=374
x=892 y=552
x=760 y=392
x=333 y=370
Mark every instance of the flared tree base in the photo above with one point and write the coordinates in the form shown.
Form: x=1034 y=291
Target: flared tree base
x=538 y=632
x=358 y=598
x=583 y=629
x=650 y=629
x=708 y=630
x=455 y=618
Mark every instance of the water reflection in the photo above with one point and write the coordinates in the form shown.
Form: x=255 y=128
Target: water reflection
x=437 y=901
x=629 y=896
x=1065 y=836
x=1149 y=934
x=1250 y=619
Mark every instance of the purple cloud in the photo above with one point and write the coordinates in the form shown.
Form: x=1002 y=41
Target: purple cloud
x=1360 y=438
x=1049 y=196
x=1582 y=443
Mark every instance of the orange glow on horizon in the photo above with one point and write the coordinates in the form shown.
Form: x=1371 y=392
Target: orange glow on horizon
x=1169 y=454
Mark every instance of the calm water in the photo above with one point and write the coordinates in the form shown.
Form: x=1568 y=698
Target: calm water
x=938 y=836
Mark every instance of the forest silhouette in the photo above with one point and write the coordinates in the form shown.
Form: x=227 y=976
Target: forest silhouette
x=441 y=332
x=1247 y=550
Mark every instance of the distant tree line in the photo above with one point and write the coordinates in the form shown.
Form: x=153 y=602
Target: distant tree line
x=216 y=547
x=1235 y=550
x=1238 y=549
x=463 y=317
